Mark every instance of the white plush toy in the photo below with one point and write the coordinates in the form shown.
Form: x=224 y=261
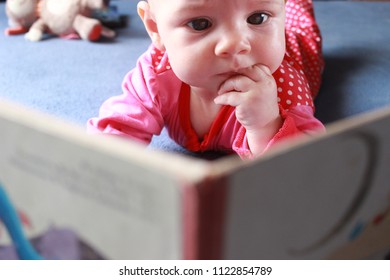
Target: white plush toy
x=21 y=15
x=67 y=17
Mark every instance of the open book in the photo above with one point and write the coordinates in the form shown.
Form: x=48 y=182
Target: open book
x=318 y=198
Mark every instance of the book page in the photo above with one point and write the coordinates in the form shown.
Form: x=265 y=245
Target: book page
x=58 y=177
x=314 y=201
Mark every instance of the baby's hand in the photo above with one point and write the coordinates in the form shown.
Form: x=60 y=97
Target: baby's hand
x=254 y=94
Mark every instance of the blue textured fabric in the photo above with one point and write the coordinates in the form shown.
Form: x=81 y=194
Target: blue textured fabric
x=71 y=78
x=357 y=54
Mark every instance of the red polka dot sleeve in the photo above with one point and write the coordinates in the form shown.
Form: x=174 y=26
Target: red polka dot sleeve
x=303 y=42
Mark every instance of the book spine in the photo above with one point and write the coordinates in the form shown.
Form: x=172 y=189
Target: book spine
x=204 y=213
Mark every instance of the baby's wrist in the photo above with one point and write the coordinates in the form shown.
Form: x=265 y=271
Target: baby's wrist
x=259 y=138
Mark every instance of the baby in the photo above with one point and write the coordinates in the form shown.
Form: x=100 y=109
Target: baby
x=222 y=75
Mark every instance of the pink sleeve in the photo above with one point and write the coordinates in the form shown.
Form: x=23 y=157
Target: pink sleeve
x=135 y=114
x=296 y=121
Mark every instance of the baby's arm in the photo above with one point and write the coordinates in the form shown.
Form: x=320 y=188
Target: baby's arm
x=270 y=108
x=136 y=114
x=254 y=95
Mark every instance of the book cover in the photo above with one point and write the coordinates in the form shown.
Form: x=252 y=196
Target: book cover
x=314 y=198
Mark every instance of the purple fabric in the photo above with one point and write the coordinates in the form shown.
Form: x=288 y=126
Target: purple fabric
x=56 y=244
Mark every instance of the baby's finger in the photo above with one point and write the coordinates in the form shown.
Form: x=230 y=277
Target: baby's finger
x=256 y=72
x=237 y=83
x=232 y=98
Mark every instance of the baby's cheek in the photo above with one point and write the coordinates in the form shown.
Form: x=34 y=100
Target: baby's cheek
x=186 y=70
x=271 y=54
x=278 y=55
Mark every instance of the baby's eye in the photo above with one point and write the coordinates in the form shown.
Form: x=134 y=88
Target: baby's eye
x=257 y=18
x=199 y=24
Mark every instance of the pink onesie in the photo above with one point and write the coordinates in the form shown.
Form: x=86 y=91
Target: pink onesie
x=154 y=98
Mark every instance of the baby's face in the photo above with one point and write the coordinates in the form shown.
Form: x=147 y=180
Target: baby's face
x=208 y=41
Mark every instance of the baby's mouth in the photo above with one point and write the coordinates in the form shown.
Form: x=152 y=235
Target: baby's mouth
x=234 y=71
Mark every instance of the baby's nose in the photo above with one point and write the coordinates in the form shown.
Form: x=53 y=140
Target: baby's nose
x=233 y=42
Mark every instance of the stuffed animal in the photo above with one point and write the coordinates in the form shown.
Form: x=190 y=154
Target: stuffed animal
x=21 y=15
x=67 y=17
